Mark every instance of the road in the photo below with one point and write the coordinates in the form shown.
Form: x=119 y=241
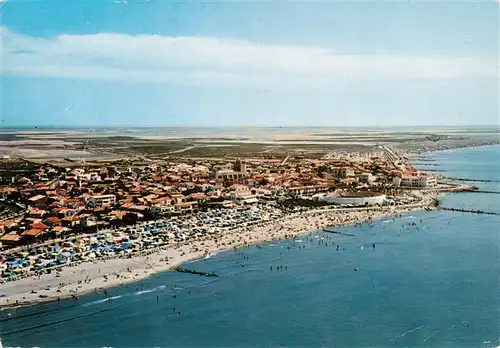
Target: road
x=396 y=160
x=285 y=160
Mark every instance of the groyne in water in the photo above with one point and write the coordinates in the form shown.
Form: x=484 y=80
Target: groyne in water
x=338 y=232
x=206 y=274
x=425 y=160
x=472 y=211
x=483 y=191
x=470 y=180
x=471 y=189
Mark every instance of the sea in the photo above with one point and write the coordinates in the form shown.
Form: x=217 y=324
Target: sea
x=425 y=279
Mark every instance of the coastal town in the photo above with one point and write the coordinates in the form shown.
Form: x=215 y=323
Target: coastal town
x=56 y=217
x=179 y=173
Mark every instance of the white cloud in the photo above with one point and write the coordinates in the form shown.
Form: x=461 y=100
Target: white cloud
x=214 y=61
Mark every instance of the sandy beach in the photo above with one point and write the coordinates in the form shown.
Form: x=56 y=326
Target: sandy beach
x=76 y=280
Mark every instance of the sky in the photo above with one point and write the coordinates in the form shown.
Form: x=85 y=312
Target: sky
x=253 y=63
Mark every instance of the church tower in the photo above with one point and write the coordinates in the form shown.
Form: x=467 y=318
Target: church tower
x=239 y=166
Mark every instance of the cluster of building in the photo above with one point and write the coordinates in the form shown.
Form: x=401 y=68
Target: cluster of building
x=54 y=202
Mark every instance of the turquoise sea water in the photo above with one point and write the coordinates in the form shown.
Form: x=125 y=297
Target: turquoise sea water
x=434 y=284
x=480 y=163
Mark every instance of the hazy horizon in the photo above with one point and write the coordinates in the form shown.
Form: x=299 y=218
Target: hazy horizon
x=139 y=130
x=41 y=127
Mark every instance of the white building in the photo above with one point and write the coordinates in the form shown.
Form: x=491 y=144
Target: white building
x=309 y=189
x=366 y=177
x=244 y=196
x=99 y=201
x=88 y=221
x=414 y=181
x=223 y=204
x=162 y=209
x=94 y=176
x=229 y=174
x=187 y=207
x=342 y=172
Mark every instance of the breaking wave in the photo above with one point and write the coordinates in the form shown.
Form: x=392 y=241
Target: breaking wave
x=102 y=300
x=147 y=291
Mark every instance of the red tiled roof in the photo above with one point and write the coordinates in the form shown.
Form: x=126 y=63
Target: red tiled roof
x=197 y=196
x=74 y=218
x=10 y=237
x=39 y=226
x=33 y=232
x=37 y=212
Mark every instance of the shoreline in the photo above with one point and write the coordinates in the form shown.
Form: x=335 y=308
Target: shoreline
x=84 y=278
x=424 y=150
x=96 y=276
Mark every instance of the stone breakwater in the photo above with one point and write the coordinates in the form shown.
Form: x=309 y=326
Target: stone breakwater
x=469 y=180
x=472 y=211
x=190 y=271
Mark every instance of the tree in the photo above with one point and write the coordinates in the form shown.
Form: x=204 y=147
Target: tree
x=130 y=218
x=322 y=172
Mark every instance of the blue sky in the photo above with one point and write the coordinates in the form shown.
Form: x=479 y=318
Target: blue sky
x=161 y=63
